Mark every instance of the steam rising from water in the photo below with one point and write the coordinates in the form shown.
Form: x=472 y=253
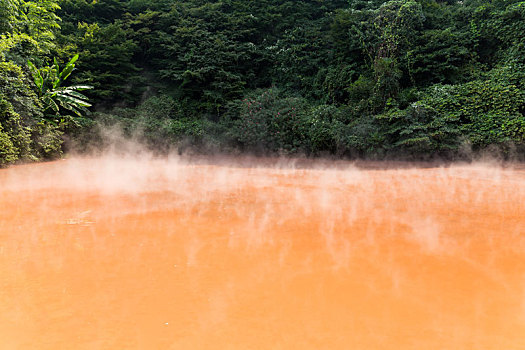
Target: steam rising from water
x=143 y=252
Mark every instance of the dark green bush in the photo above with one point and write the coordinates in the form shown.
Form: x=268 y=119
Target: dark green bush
x=23 y=136
x=272 y=122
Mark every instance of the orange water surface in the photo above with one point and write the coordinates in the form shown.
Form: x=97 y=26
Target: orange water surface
x=126 y=253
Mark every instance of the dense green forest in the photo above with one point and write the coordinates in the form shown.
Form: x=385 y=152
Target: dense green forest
x=418 y=79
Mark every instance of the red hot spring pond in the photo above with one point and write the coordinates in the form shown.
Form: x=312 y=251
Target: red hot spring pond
x=128 y=253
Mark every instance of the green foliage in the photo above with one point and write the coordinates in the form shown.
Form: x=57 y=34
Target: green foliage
x=360 y=137
x=490 y=110
x=49 y=81
x=320 y=129
x=17 y=93
x=29 y=22
x=482 y=112
x=28 y=32
x=47 y=141
x=8 y=11
x=8 y=151
x=269 y=121
x=298 y=56
x=107 y=60
x=418 y=129
x=24 y=136
x=410 y=78
x=158 y=122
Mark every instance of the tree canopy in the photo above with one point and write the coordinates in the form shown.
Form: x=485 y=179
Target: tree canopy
x=397 y=78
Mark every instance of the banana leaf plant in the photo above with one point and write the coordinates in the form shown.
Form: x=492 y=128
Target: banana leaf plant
x=49 y=82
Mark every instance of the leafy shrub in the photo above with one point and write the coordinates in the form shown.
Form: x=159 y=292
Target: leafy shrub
x=483 y=112
x=47 y=140
x=8 y=152
x=269 y=121
x=23 y=134
x=360 y=89
x=320 y=127
x=361 y=137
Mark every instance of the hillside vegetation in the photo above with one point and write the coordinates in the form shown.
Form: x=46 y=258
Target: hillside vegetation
x=415 y=79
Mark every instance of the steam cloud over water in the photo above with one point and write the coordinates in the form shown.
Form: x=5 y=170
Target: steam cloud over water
x=178 y=253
